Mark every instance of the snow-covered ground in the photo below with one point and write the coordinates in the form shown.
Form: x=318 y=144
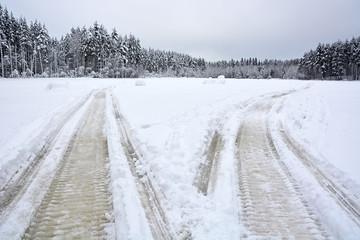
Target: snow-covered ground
x=326 y=118
x=171 y=123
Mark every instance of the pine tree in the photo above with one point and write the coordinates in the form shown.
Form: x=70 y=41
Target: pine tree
x=2 y=41
x=73 y=47
x=39 y=41
x=6 y=59
x=25 y=44
x=92 y=48
x=134 y=51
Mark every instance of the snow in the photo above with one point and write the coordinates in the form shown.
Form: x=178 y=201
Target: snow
x=326 y=118
x=30 y=110
x=15 y=222
x=220 y=80
x=140 y=82
x=170 y=122
x=130 y=220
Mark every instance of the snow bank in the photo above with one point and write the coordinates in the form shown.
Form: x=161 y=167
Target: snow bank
x=129 y=216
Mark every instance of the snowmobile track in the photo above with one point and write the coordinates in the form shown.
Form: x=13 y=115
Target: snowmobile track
x=151 y=198
x=22 y=178
x=78 y=203
x=206 y=175
x=271 y=201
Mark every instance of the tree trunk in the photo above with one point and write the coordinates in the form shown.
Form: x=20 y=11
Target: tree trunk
x=33 y=64
x=23 y=61
x=11 y=63
x=56 y=63
x=2 y=61
x=41 y=65
x=16 y=60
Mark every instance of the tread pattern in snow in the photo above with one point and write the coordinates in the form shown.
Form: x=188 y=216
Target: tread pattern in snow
x=78 y=204
x=271 y=204
x=22 y=178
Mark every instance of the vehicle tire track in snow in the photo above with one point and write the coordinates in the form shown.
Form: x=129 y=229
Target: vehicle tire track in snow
x=18 y=183
x=149 y=197
x=272 y=204
x=206 y=175
x=78 y=204
x=349 y=201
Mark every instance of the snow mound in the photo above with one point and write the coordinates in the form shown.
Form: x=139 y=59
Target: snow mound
x=221 y=79
x=140 y=82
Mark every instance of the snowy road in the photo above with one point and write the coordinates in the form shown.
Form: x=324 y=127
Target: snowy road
x=78 y=205
x=272 y=204
x=17 y=184
x=224 y=162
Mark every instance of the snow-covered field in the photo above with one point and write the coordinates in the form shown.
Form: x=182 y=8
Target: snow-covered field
x=171 y=124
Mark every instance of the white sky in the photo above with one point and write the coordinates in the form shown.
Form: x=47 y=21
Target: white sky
x=213 y=29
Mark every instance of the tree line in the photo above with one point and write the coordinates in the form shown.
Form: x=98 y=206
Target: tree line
x=27 y=50
x=333 y=61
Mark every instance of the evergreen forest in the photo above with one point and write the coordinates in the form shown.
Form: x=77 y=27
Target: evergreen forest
x=27 y=50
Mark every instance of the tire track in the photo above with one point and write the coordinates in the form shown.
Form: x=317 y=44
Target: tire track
x=19 y=182
x=149 y=196
x=272 y=205
x=293 y=183
x=78 y=203
x=347 y=200
x=206 y=175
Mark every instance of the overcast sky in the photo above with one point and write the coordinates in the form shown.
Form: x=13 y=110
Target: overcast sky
x=213 y=29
